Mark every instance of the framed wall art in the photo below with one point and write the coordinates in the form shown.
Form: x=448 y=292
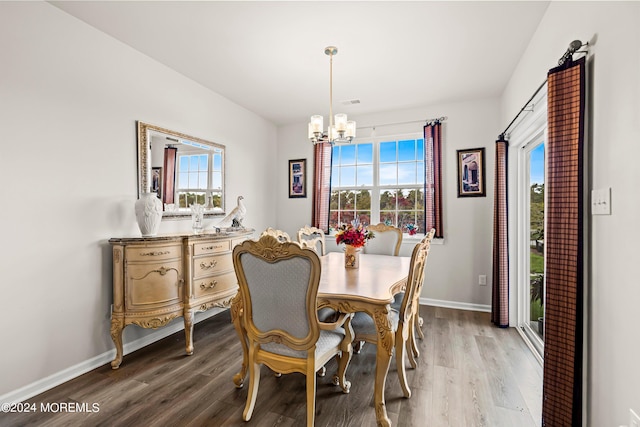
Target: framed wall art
x=471 y=176
x=298 y=178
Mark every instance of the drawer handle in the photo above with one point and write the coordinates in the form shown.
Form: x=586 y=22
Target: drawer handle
x=208 y=266
x=211 y=285
x=161 y=271
x=154 y=253
x=209 y=248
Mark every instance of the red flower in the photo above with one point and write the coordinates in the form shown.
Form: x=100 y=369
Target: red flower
x=353 y=234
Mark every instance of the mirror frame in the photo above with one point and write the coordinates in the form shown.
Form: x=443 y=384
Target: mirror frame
x=144 y=159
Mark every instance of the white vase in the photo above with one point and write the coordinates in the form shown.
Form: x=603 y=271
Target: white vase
x=148 y=214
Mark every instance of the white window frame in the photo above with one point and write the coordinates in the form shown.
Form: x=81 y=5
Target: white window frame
x=531 y=129
x=376 y=189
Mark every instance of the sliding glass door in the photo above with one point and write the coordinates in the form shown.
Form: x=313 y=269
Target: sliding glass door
x=531 y=244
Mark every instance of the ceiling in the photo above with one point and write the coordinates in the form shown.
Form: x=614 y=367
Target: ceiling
x=269 y=56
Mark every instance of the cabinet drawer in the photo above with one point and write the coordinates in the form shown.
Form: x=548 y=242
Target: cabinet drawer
x=152 y=286
x=215 y=284
x=152 y=253
x=211 y=247
x=212 y=265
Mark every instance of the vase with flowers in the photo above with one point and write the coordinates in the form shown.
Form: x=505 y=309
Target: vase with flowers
x=354 y=236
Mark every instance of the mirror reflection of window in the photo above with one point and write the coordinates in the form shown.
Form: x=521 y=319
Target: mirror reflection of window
x=181 y=169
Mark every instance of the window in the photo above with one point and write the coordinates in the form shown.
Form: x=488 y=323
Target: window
x=195 y=183
x=378 y=182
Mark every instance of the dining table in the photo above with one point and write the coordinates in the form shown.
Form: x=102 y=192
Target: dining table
x=370 y=288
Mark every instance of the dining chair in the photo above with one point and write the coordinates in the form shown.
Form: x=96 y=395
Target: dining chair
x=387 y=240
x=280 y=235
x=402 y=319
x=417 y=321
x=278 y=286
x=312 y=237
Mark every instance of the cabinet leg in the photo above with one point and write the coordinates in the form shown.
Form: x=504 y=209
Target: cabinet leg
x=188 y=331
x=117 y=325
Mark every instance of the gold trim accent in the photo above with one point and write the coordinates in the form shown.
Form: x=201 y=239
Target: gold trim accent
x=156 y=322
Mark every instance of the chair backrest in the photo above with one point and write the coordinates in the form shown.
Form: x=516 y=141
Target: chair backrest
x=312 y=237
x=278 y=283
x=386 y=241
x=280 y=235
x=410 y=302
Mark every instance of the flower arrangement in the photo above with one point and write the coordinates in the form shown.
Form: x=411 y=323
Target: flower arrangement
x=411 y=229
x=353 y=234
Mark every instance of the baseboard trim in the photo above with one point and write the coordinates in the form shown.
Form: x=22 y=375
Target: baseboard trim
x=456 y=305
x=44 y=384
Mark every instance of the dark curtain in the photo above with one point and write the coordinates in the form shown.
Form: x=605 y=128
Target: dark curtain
x=563 y=324
x=500 y=285
x=321 y=185
x=168 y=185
x=433 y=178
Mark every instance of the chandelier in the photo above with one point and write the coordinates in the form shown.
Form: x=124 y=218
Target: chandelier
x=341 y=130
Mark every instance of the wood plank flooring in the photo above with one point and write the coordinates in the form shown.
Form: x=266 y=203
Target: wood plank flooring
x=469 y=373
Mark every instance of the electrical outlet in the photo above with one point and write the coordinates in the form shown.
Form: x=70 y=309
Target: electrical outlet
x=482 y=281
x=634 y=419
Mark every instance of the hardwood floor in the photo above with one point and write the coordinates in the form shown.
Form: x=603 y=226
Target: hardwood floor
x=469 y=373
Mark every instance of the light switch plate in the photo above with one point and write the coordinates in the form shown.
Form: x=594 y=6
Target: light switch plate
x=601 y=201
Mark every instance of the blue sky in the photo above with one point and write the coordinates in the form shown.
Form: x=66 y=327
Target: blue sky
x=537 y=165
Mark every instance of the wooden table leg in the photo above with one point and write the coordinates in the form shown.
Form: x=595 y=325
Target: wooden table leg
x=386 y=339
x=236 y=318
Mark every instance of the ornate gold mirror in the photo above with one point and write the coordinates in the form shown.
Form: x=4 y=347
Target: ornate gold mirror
x=181 y=169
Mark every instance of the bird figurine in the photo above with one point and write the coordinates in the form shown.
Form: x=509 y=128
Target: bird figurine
x=235 y=217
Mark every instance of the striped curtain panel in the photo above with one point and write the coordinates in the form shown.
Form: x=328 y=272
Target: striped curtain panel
x=433 y=178
x=563 y=328
x=500 y=285
x=168 y=186
x=321 y=185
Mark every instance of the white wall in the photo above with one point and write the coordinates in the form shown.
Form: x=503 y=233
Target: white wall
x=613 y=349
x=69 y=99
x=454 y=266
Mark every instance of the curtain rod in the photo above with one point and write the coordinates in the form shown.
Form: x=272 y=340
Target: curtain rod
x=566 y=56
x=427 y=121
x=501 y=136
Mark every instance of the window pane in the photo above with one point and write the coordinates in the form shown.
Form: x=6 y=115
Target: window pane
x=406 y=150
x=347 y=200
x=202 y=180
x=365 y=175
x=389 y=174
x=333 y=201
x=407 y=200
x=193 y=163
x=348 y=154
x=184 y=163
x=183 y=179
x=364 y=216
x=388 y=151
x=348 y=176
x=204 y=161
x=363 y=200
x=388 y=218
x=193 y=180
x=420 y=149
x=365 y=153
x=216 y=181
x=407 y=173
x=388 y=200
x=217 y=162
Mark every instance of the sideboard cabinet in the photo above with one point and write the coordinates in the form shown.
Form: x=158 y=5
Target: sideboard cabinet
x=156 y=279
